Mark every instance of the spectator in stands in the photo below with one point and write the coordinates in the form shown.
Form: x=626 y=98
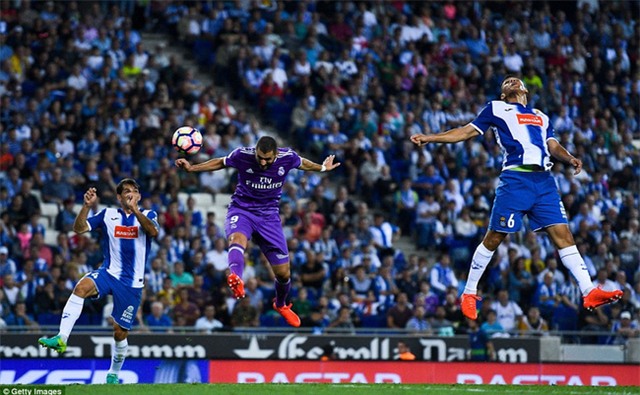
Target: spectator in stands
x=442 y=276
x=492 y=326
x=185 y=308
x=180 y=277
x=400 y=313
x=419 y=322
x=208 y=323
x=533 y=324
x=383 y=234
x=158 y=320
x=426 y=213
x=244 y=314
x=406 y=201
x=7 y=265
x=343 y=321
x=547 y=297
x=66 y=217
x=57 y=190
x=440 y=324
x=20 y=320
x=509 y=314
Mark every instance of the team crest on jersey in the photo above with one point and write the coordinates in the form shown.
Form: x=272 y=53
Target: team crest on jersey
x=503 y=222
x=529 y=119
x=125 y=232
x=280 y=171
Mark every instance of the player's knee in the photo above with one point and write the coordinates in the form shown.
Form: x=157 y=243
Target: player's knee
x=84 y=289
x=119 y=333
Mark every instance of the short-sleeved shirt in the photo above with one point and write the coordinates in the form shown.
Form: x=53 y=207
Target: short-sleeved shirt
x=258 y=190
x=521 y=132
x=125 y=246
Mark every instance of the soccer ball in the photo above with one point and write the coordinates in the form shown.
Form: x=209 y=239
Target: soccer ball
x=187 y=140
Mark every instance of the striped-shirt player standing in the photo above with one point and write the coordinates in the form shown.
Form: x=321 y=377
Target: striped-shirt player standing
x=526 y=187
x=126 y=241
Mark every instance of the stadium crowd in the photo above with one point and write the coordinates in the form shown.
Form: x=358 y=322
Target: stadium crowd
x=85 y=102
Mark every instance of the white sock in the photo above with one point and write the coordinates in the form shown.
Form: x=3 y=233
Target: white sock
x=479 y=262
x=118 y=354
x=572 y=260
x=70 y=314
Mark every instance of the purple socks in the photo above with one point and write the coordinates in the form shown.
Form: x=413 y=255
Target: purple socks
x=236 y=259
x=282 y=290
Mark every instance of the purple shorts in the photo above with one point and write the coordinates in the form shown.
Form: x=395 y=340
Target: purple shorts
x=265 y=229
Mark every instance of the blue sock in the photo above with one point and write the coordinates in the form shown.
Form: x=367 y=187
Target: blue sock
x=282 y=290
x=236 y=259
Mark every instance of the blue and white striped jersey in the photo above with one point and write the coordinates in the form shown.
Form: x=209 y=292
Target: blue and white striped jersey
x=521 y=132
x=125 y=246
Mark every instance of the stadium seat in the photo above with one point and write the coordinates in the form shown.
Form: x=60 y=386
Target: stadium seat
x=203 y=198
x=46 y=222
x=182 y=198
x=51 y=237
x=37 y=194
x=222 y=199
x=49 y=210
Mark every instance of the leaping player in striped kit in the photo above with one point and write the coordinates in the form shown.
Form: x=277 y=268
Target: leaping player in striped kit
x=526 y=187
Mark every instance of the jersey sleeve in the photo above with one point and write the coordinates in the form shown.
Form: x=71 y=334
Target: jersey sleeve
x=97 y=221
x=153 y=216
x=231 y=160
x=484 y=119
x=551 y=133
x=296 y=160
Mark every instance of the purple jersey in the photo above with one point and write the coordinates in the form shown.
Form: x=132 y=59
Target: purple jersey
x=260 y=190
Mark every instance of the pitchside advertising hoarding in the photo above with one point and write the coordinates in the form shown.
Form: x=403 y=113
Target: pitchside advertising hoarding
x=294 y=346
x=94 y=371
x=289 y=358
x=411 y=372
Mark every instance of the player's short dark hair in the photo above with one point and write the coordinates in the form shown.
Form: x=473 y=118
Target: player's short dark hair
x=126 y=181
x=267 y=144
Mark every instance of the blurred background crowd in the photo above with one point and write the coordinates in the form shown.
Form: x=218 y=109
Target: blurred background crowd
x=86 y=101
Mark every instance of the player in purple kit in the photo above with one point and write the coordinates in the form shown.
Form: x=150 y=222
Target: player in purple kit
x=254 y=210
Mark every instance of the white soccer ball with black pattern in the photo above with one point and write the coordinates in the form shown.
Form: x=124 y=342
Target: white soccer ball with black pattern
x=187 y=140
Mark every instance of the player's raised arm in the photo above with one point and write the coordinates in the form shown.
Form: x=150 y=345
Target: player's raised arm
x=454 y=135
x=80 y=224
x=210 y=165
x=131 y=203
x=327 y=164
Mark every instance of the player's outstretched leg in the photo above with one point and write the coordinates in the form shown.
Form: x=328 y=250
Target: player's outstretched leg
x=479 y=262
x=236 y=267
x=289 y=315
x=54 y=343
x=468 y=305
x=237 y=285
x=70 y=314
x=598 y=297
x=280 y=305
x=593 y=297
x=118 y=354
x=112 y=378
